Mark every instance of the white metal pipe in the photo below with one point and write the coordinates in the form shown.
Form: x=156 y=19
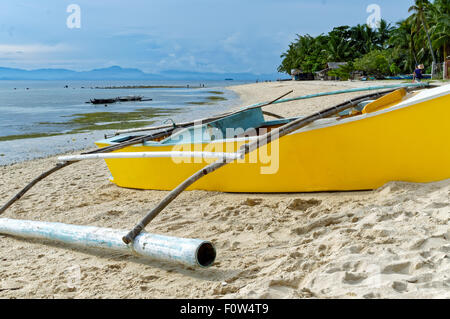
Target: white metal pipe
x=226 y=156
x=192 y=252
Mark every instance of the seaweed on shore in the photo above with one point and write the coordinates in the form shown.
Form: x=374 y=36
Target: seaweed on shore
x=215 y=92
x=210 y=100
x=140 y=114
x=200 y=103
x=84 y=122
x=216 y=98
x=117 y=120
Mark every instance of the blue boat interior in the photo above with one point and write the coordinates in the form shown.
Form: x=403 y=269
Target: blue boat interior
x=245 y=123
x=356 y=109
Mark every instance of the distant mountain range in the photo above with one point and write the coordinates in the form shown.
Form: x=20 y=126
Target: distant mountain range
x=118 y=73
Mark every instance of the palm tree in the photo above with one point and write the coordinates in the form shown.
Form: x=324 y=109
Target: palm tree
x=364 y=39
x=384 y=33
x=338 y=49
x=440 y=30
x=419 y=9
x=287 y=63
x=402 y=40
x=427 y=29
x=358 y=36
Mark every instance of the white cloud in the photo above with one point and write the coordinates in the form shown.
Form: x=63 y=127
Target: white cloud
x=237 y=47
x=31 y=49
x=185 y=62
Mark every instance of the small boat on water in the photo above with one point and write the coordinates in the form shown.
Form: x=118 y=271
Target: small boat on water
x=103 y=101
x=129 y=98
x=399 y=137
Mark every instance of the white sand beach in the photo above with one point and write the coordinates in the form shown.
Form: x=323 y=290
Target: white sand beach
x=393 y=242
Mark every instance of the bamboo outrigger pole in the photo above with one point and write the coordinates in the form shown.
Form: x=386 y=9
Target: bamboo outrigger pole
x=174 y=154
x=245 y=149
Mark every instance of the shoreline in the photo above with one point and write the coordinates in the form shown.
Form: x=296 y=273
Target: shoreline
x=17 y=150
x=388 y=243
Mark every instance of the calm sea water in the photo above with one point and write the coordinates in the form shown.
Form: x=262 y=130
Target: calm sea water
x=49 y=107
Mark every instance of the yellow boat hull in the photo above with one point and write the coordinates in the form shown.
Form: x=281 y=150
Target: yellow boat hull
x=410 y=144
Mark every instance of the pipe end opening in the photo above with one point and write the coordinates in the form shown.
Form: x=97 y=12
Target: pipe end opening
x=206 y=254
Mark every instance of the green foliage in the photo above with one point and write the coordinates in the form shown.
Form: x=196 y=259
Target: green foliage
x=305 y=54
x=342 y=44
x=394 y=69
x=420 y=39
x=375 y=63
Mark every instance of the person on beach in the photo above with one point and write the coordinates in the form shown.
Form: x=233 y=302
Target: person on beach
x=417 y=75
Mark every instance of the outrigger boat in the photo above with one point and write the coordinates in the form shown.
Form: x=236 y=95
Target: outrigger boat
x=399 y=137
x=129 y=98
x=103 y=101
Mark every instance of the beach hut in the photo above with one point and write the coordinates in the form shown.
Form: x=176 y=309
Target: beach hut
x=294 y=73
x=299 y=75
x=323 y=74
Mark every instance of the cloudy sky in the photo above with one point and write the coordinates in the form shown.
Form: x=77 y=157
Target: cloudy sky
x=155 y=35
